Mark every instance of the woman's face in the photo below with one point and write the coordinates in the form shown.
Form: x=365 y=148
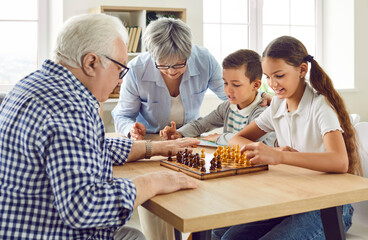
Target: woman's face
x=174 y=72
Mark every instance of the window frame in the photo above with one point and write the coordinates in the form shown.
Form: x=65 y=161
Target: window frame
x=42 y=38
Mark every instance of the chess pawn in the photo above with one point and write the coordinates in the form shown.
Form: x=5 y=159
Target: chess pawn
x=179 y=156
x=169 y=153
x=202 y=163
x=213 y=166
x=236 y=158
x=202 y=153
x=218 y=162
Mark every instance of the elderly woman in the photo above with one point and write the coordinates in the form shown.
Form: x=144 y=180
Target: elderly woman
x=167 y=83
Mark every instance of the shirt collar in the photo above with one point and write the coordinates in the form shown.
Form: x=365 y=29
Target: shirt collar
x=304 y=106
x=247 y=110
x=51 y=68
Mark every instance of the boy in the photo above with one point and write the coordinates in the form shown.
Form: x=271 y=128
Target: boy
x=242 y=73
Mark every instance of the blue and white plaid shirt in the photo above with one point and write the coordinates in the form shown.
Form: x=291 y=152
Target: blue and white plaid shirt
x=56 y=178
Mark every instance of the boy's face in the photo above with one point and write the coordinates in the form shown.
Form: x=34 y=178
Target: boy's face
x=238 y=88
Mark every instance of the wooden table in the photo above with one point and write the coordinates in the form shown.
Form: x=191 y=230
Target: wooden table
x=280 y=191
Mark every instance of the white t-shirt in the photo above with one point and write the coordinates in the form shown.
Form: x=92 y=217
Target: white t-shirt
x=177 y=111
x=304 y=128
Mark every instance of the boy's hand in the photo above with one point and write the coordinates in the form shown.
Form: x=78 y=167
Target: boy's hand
x=169 y=132
x=211 y=137
x=138 y=131
x=267 y=98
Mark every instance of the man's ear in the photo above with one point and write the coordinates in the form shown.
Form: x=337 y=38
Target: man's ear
x=90 y=63
x=257 y=84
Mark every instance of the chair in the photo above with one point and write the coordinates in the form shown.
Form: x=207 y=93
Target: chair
x=2 y=96
x=354 y=118
x=359 y=229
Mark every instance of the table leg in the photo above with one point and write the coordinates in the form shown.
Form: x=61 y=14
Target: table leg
x=332 y=223
x=204 y=235
x=177 y=234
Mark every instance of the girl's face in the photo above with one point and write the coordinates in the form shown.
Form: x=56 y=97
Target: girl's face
x=238 y=88
x=286 y=81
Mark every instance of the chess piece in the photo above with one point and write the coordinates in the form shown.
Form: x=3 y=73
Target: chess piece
x=202 y=153
x=201 y=163
x=169 y=153
x=218 y=162
x=179 y=157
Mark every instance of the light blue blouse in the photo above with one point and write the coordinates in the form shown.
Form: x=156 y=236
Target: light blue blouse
x=145 y=98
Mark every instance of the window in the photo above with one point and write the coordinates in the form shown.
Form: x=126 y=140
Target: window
x=22 y=43
x=234 y=24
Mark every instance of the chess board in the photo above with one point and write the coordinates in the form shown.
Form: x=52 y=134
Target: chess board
x=228 y=168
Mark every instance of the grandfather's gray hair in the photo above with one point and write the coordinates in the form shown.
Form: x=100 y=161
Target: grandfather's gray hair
x=88 y=33
x=168 y=40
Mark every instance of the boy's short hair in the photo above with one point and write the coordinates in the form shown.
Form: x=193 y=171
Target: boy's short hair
x=247 y=58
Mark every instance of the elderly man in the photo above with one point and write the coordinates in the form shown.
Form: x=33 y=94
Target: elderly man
x=56 y=178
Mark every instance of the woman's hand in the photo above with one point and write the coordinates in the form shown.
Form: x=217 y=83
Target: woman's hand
x=260 y=153
x=169 y=132
x=138 y=131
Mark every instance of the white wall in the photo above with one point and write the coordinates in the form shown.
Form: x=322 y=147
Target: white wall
x=356 y=101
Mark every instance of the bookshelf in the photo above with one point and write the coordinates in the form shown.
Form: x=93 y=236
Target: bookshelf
x=139 y=17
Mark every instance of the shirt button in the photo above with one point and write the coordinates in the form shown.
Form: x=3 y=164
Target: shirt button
x=97 y=105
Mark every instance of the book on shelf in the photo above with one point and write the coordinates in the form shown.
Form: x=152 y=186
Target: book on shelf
x=137 y=37
x=132 y=33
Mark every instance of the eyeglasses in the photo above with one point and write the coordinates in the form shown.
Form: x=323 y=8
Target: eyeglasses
x=176 y=66
x=125 y=68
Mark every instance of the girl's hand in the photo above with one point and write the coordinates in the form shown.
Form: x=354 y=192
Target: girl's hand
x=259 y=153
x=138 y=131
x=211 y=137
x=169 y=132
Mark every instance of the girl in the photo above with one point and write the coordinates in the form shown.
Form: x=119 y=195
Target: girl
x=313 y=129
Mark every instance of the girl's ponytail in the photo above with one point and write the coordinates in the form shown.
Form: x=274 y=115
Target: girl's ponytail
x=322 y=83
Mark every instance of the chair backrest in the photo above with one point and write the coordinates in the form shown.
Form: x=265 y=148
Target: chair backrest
x=361 y=208
x=362 y=137
x=2 y=96
x=354 y=118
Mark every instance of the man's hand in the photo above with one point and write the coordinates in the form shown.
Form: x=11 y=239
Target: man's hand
x=267 y=98
x=211 y=137
x=163 y=182
x=138 y=131
x=162 y=147
x=169 y=132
